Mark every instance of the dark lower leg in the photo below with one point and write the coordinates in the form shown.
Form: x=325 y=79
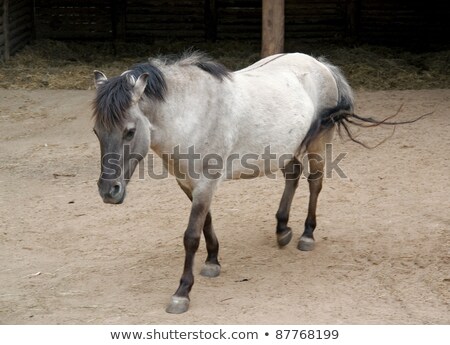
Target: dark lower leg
x=199 y=211
x=187 y=278
x=292 y=174
x=315 y=186
x=316 y=160
x=211 y=268
x=212 y=244
x=191 y=242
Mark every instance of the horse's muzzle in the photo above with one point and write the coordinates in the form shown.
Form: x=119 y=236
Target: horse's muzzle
x=112 y=192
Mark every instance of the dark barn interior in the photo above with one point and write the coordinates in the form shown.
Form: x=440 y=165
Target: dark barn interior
x=412 y=24
x=393 y=44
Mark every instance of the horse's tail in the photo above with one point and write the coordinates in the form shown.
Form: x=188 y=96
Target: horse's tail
x=328 y=117
x=345 y=92
x=343 y=114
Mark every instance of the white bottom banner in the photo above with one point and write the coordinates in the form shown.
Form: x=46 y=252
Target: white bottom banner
x=205 y=334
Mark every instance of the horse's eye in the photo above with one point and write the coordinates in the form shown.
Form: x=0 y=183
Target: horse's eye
x=130 y=134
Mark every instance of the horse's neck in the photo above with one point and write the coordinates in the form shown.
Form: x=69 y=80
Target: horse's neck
x=181 y=119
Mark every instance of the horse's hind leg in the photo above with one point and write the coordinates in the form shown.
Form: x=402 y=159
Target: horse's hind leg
x=315 y=185
x=316 y=159
x=292 y=172
x=211 y=268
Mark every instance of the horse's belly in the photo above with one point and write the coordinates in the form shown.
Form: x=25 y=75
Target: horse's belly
x=259 y=160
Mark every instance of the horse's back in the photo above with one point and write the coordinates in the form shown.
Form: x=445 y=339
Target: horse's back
x=299 y=61
x=314 y=76
x=275 y=102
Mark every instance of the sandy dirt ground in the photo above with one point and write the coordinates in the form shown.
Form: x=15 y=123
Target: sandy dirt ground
x=383 y=236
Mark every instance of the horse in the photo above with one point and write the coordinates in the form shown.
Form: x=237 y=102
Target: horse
x=195 y=114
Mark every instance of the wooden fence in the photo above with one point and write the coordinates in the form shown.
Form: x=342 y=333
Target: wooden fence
x=193 y=19
x=16 y=26
x=401 y=22
x=372 y=21
x=404 y=22
x=73 y=19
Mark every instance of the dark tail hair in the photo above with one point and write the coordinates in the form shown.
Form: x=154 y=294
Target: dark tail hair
x=343 y=114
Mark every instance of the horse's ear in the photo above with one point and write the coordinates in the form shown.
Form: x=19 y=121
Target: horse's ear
x=139 y=86
x=99 y=78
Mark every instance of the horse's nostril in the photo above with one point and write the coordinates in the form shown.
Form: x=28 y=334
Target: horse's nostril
x=115 y=190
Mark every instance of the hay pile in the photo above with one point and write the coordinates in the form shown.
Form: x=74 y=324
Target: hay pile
x=381 y=68
x=69 y=65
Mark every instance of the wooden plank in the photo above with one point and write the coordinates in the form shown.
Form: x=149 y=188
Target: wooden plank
x=241 y=3
x=210 y=12
x=19 y=41
x=165 y=3
x=24 y=19
x=6 y=49
x=19 y=5
x=179 y=10
x=164 y=34
x=134 y=18
x=72 y=35
x=2 y=37
x=166 y=18
x=16 y=27
x=164 y=26
x=75 y=19
x=119 y=18
x=70 y=3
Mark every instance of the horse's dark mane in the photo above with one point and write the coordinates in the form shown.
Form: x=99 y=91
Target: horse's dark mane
x=114 y=96
x=200 y=60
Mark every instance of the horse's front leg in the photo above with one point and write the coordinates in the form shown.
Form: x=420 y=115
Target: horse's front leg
x=201 y=201
x=211 y=268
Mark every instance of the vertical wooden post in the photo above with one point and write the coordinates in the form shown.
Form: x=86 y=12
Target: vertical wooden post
x=210 y=11
x=272 y=27
x=6 y=53
x=353 y=14
x=118 y=19
x=33 y=20
x=121 y=29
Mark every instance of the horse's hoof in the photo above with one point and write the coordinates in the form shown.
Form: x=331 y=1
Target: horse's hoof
x=306 y=244
x=178 y=305
x=210 y=270
x=284 y=238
